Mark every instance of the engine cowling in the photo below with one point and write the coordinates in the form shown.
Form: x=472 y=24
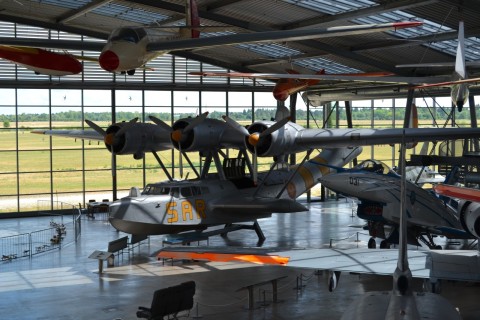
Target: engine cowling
x=136 y=140
x=206 y=135
x=277 y=143
x=469 y=214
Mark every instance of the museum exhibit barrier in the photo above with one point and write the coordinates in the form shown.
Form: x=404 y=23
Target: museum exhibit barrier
x=58 y=235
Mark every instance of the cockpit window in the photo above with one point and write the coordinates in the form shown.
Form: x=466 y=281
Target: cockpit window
x=373 y=166
x=128 y=34
x=186 y=192
x=174 y=192
x=156 y=190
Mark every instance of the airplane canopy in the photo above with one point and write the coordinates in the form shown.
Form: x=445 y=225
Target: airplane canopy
x=374 y=166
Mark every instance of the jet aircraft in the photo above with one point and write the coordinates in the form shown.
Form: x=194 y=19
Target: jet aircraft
x=377 y=188
x=468 y=206
x=129 y=48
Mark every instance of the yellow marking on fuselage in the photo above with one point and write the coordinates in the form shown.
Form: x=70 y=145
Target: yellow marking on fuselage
x=187 y=210
x=306 y=176
x=171 y=211
x=200 y=208
x=323 y=169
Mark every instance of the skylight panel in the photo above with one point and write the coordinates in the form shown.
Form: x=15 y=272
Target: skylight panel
x=272 y=50
x=129 y=13
x=333 y=7
x=330 y=67
x=72 y=4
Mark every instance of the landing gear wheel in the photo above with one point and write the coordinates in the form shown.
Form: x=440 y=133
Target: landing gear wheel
x=372 y=244
x=384 y=244
x=438 y=247
x=131 y=72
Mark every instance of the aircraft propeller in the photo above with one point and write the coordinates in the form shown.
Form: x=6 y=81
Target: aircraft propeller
x=255 y=138
x=111 y=137
x=180 y=135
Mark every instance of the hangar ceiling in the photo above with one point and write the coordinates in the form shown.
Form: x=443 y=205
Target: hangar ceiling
x=435 y=41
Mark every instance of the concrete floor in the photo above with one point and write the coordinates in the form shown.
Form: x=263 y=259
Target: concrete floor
x=66 y=284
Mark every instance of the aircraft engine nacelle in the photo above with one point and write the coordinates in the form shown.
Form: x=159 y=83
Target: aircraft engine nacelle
x=469 y=213
x=277 y=143
x=137 y=139
x=206 y=135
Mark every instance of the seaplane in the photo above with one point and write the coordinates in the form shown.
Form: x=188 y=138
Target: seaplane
x=138 y=213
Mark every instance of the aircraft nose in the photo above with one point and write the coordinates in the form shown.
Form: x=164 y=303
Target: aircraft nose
x=330 y=181
x=109 y=61
x=280 y=95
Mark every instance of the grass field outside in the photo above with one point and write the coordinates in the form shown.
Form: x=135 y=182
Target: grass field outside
x=73 y=166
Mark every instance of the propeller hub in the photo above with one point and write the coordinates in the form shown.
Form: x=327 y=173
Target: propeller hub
x=109 y=138
x=109 y=61
x=253 y=139
x=177 y=135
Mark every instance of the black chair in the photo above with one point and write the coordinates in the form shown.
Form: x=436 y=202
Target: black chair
x=169 y=301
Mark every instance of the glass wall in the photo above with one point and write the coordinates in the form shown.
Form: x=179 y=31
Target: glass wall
x=35 y=166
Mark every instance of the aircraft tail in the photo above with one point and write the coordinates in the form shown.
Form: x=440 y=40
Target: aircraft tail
x=328 y=161
x=192 y=19
x=460 y=68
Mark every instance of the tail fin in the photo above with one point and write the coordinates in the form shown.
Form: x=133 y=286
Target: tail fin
x=192 y=18
x=460 y=60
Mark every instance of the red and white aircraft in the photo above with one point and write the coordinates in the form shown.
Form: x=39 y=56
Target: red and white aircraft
x=287 y=86
x=42 y=61
x=458 y=82
x=129 y=48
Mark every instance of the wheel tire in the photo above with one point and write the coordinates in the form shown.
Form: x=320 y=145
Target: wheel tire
x=384 y=244
x=372 y=244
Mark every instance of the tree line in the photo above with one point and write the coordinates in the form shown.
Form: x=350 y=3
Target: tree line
x=244 y=115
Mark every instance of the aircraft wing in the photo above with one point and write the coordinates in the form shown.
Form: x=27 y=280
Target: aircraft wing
x=78 y=134
x=469 y=194
x=277 y=35
x=448 y=83
x=325 y=138
x=463 y=265
x=54 y=44
x=328 y=77
x=240 y=205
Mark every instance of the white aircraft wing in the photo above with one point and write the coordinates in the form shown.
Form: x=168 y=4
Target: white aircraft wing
x=78 y=134
x=277 y=35
x=461 y=265
x=328 y=77
x=324 y=138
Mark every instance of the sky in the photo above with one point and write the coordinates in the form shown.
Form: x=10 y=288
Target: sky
x=37 y=100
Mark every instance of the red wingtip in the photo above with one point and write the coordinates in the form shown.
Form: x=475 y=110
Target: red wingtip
x=409 y=24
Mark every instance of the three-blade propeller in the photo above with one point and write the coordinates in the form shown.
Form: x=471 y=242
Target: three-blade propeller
x=181 y=134
x=111 y=138
x=256 y=137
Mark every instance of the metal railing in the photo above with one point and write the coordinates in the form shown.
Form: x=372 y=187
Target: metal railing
x=57 y=236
